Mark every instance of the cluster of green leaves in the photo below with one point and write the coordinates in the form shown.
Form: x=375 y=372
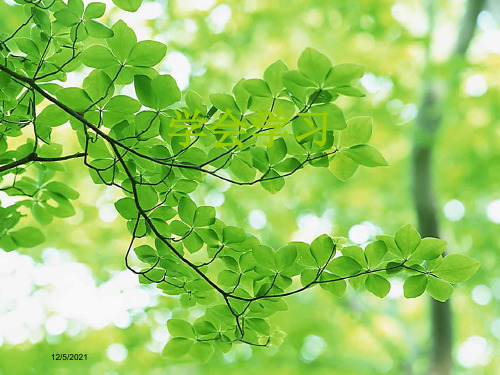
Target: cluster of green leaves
x=46 y=199
x=128 y=142
x=257 y=277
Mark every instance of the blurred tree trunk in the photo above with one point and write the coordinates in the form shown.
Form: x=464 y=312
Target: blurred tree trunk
x=427 y=123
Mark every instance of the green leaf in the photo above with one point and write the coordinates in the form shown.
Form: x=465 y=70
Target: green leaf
x=204 y=216
x=349 y=91
x=7 y=243
x=94 y=10
x=428 y=248
x=51 y=151
x=273 y=75
x=277 y=151
x=40 y=214
x=258 y=87
x=42 y=20
x=366 y=155
x=241 y=96
x=185 y=186
x=187 y=210
x=264 y=255
x=147 y=53
x=296 y=78
x=407 y=239
x=304 y=256
x=390 y=243
x=247 y=262
x=203 y=327
x=434 y=263
x=227 y=278
x=123 y=40
x=180 y=328
x=285 y=257
x=375 y=252
x=27 y=237
x=154 y=274
x=335 y=119
x=99 y=150
x=308 y=276
x=287 y=165
x=52 y=116
x=179 y=228
x=343 y=74
x=128 y=5
x=62 y=189
x=259 y=325
x=148 y=198
x=344 y=266
x=195 y=102
x=97 y=29
x=456 y=268
x=358 y=281
x=126 y=208
x=314 y=65
x=232 y=235
x=122 y=104
x=337 y=288
x=272 y=181
x=63 y=207
x=377 y=285
x=241 y=170
x=28 y=46
x=146 y=254
x=98 y=85
x=260 y=159
x=356 y=253
x=66 y=17
x=147 y=125
x=166 y=90
x=322 y=249
x=414 y=286
x=202 y=351
x=144 y=90
x=76 y=6
x=342 y=166
x=224 y=102
x=75 y=98
x=177 y=347
x=358 y=131
x=163 y=213
x=439 y=290
x=323 y=96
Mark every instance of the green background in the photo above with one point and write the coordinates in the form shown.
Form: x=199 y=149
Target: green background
x=82 y=261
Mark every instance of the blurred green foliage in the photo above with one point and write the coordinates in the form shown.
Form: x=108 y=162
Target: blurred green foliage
x=358 y=334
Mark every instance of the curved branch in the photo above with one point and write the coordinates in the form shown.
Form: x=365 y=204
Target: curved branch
x=34 y=157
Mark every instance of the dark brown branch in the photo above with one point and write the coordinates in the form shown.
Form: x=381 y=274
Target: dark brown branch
x=34 y=157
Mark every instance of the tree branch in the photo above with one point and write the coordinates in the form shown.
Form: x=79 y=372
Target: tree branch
x=34 y=157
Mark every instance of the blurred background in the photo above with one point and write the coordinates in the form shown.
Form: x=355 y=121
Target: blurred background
x=432 y=86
